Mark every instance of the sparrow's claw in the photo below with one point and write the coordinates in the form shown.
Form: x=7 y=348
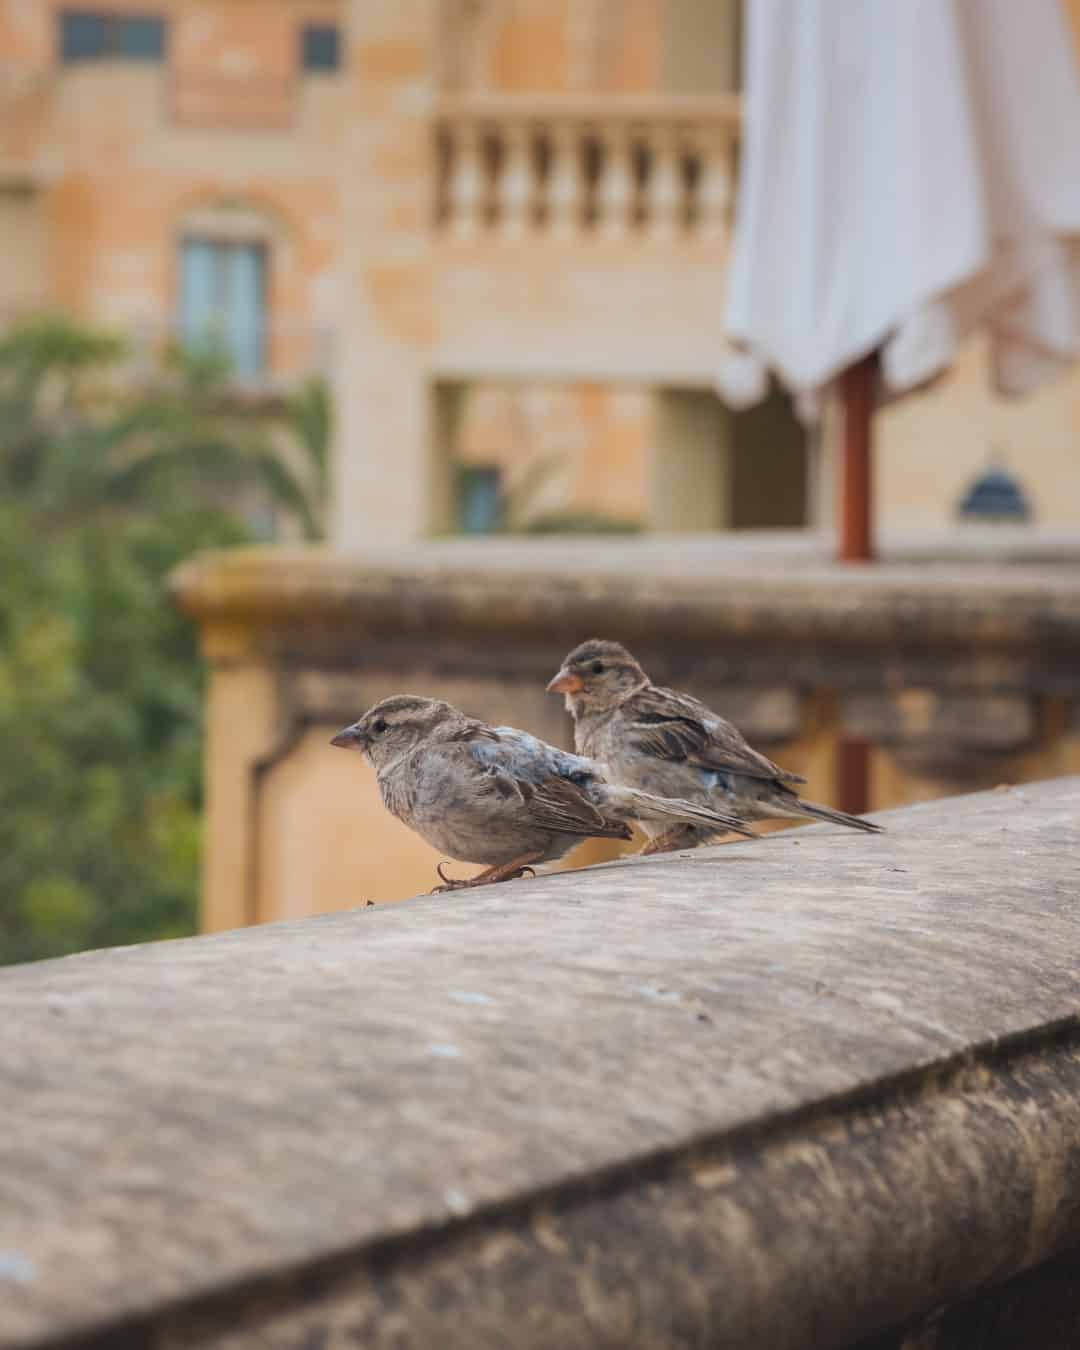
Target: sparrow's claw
x=449 y=883
x=501 y=872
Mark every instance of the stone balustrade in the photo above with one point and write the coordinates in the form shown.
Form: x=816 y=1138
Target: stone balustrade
x=815 y=1092
x=622 y=204
x=568 y=168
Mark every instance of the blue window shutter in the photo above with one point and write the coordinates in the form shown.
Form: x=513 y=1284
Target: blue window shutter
x=83 y=36
x=140 y=38
x=320 y=47
x=479 y=498
x=223 y=301
x=245 y=315
x=198 y=293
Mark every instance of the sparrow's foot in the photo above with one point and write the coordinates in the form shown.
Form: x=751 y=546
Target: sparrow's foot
x=675 y=838
x=510 y=871
x=503 y=872
x=452 y=883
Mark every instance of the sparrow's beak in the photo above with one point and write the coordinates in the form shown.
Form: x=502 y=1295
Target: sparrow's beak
x=566 y=682
x=352 y=738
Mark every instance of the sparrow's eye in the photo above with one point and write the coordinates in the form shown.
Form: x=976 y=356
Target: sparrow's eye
x=379 y=726
x=598 y=667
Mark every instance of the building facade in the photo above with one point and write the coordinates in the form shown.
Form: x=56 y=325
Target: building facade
x=172 y=169
x=554 y=208
x=500 y=225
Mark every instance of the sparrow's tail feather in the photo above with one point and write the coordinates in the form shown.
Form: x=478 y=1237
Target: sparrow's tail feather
x=675 y=810
x=799 y=807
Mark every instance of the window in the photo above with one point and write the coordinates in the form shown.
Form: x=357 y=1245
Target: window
x=140 y=39
x=320 y=47
x=82 y=37
x=223 y=300
x=480 y=503
x=90 y=35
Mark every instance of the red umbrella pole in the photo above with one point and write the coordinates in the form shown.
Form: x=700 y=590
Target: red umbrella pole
x=857 y=390
x=857 y=386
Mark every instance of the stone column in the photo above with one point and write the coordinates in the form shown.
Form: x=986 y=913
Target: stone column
x=690 y=462
x=241 y=728
x=386 y=470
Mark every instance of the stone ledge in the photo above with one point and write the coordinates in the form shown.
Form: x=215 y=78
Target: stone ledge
x=783 y=1093
x=646 y=587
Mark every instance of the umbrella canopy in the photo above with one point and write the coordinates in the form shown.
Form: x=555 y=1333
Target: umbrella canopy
x=910 y=173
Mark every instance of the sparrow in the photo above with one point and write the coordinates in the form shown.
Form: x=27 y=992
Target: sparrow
x=665 y=742
x=499 y=796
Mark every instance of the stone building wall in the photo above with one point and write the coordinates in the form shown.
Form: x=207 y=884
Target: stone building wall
x=105 y=165
x=114 y=160
x=484 y=317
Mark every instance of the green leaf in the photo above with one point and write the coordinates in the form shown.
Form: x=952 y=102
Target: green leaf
x=105 y=485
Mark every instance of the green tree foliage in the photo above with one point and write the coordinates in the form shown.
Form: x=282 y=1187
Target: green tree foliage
x=104 y=486
x=307 y=493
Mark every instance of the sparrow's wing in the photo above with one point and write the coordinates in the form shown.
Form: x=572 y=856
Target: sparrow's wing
x=674 y=726
x=550 y=784
x=559 y=804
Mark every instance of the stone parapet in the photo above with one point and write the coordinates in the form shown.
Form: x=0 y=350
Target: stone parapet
x=954 y=675
x=648 y=588
x=812 y=1092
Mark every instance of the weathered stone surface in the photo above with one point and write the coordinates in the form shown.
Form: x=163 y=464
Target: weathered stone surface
x=784 y=1093
x=949 y=625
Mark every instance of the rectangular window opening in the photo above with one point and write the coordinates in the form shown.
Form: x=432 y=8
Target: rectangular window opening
x=97 y=35
x=479 y=498
x=320 y=48
x=223 y=302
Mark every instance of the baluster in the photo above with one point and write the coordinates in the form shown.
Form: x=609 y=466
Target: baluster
x=564 y=182
x=466 y=191
x=514 y=189
x=713 y=190
x=663 y=188
x=615 y=191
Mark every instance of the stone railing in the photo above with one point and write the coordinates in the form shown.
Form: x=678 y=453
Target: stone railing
x=814 y=1092
x=882 y=685
x=566 y=168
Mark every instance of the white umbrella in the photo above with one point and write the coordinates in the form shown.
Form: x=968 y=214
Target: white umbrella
x=910 y=173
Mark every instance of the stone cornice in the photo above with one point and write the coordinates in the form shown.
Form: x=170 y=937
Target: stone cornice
x=635 y=590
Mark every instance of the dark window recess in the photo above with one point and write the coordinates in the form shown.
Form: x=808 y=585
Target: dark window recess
x=995 y=495
x=141 y=39
x=769 y=463
x=320 y=47
x=89 y=35
x=480 y=505
x=82 y=37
